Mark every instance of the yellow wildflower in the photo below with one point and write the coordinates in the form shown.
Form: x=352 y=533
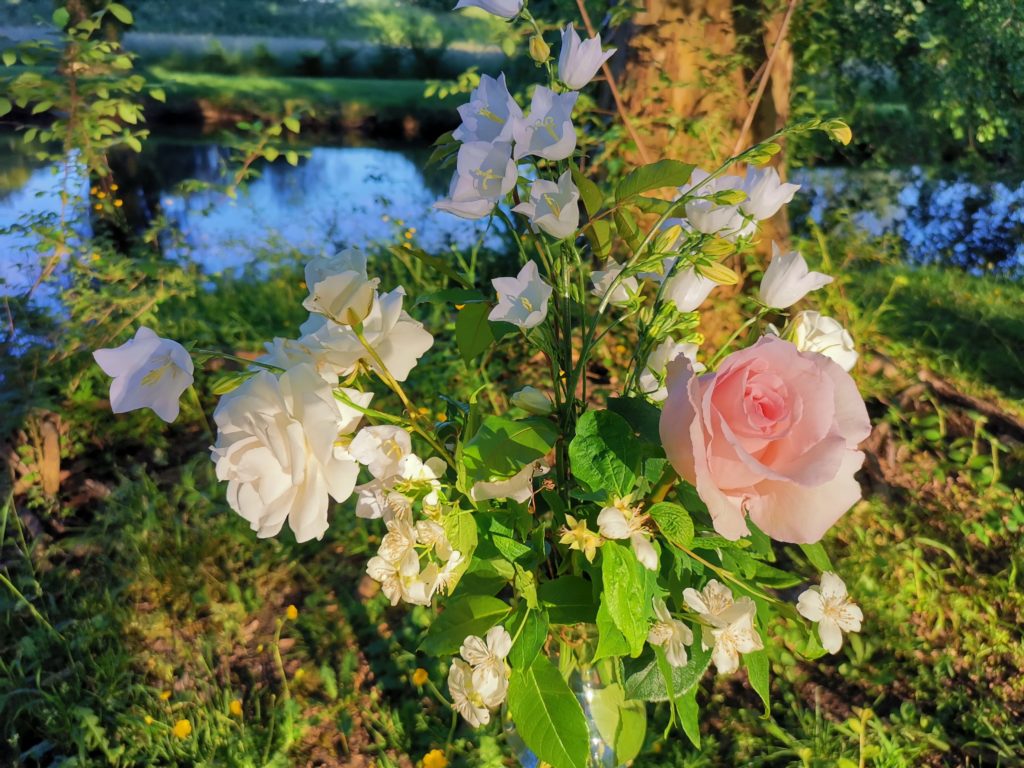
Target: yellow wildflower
x=419 y=677
x=235 y=707
x=435 y=759
x=118 y=203
x=165 y=695
x=101 y=195
x=147 y=720
x=182 y=729
x=291 y=613
x=579 y=537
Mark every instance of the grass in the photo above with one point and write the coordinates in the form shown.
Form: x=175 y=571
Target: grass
x=152 y=603
x=347 y=99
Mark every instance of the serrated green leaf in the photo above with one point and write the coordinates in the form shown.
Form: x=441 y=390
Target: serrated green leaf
x=463 y=616
x=569 y=600
x=604 y=454
x=759 y=675
x=626 y=594
x=674 y=522
x=548 y=716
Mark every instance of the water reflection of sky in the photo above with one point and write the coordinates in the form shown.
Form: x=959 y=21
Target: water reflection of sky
x=336 y=197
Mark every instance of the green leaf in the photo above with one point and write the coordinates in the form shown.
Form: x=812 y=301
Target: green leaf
x=759 y=675
x=61 y=17
x=435 y=263
x=127 y=112
x=42 y=106
x=529 y=630
x=818 y=556
x=10 y=57
x=271 y=154
x=133 y=142
x=569 y=599
x=464 y=616
x=158 y=94
x=643 y=417
x=621 y=722
x=664 y=173
x=5 y=106
x=610 y=641
x=548 y=715
x=460 y=528
x=590 y=193
x=647 y=683
x=121 y=13
x=674 y=522
x=473 y=331
x=686 y=707
x=599 y=235
x=626 y=594
x=604 y=454
x=292 y=124
x=291 y=157
x=501 y=446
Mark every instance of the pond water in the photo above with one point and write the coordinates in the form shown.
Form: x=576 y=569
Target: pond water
x=336 y=196
x=355 y=194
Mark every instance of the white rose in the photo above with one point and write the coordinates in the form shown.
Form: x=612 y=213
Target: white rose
x=813 y=332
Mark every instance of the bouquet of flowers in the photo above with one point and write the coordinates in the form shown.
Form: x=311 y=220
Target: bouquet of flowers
x=621 y=536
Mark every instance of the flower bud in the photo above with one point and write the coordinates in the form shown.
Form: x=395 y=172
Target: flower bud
x=532 y=400
x=539 y=50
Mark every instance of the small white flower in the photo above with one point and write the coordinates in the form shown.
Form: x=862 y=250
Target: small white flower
x=578 y=61
x=484 y=174
x=345 y=298
x=148 y=372
x=766 y=193
x=319 y=268
x=624 y=292
x=381 y=449
x=787 y=279
x=547 y=131
x=687 y=289
x=728 y=624
x=532 y=400
x=553 y=208
x=671 y=634
x=506 y=9
x=465 y=697
x=813 y=332
x=490 y=113
x=652 y=378
x=446 y=575
x=707 y=216
x=523 y=299
x=412 y=469
x=487 y=657
x=831 y=607
x=519 y=487
x=621 y=520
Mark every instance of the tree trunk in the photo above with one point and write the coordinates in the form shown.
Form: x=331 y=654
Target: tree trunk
x=691 y=76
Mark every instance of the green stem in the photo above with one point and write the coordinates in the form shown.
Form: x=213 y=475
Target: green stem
x=237 y=359
x=725 y=347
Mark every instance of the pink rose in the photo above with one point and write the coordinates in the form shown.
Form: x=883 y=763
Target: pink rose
x=773 y=434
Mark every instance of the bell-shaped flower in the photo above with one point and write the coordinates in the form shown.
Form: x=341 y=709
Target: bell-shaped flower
x=490 y=113
x=624 y=290
x=523 y=299
x=787 y=279
x=766 y=193
x=532 y=400
x=398 y=339
x=148 y=372
x=547 y=131
x=346 y=298
x=687 y=289
x=621 y=520
x=813 y=332
x=277 y=446
x=728 y=624
x=669 y=633
x=831 y=607
x=506 y=9
x=709 y=217
x=381 y=449
x=518 y=487
x=553 y=208
x=484 y=173
x=652 y=378
x=578 y=60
